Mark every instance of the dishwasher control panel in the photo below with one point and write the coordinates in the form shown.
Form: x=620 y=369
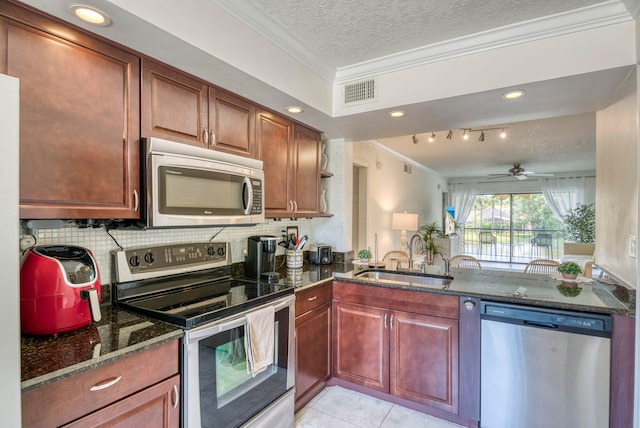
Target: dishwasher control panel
x=561 y=320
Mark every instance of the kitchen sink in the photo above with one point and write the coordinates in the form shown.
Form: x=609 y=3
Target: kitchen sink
x=413 y=278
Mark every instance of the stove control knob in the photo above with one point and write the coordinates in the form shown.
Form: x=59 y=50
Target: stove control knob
x=211 y=251
x=134 y=261
x=221 y=251
x=149 y=258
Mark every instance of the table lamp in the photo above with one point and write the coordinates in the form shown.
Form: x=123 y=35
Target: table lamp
x=404 y=221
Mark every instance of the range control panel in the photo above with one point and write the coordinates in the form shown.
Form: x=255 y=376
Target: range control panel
x=149 y=262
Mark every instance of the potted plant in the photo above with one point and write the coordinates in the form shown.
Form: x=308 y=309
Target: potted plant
x=364 y=255
x=580 y=228
x=429 y=232
x=569 y=270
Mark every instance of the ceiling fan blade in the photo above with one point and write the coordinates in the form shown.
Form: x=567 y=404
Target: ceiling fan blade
x=520 y=177
x=541 y=174
x=493 y=176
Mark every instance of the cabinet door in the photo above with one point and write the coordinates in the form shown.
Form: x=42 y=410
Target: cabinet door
x=424 y=360
x=361 y=345
x=174 y=105
x=156 y=406
x=232 y=122
x=307 y=170
x=274 y=135
x=79 y=123
x=313 y=352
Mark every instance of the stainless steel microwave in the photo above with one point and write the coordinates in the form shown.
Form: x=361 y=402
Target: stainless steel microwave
x=188 y=186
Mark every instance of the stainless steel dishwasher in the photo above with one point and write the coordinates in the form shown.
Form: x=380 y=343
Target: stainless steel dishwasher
x=543 y=368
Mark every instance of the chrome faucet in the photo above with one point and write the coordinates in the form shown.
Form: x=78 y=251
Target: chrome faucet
x=411 y=249
x=446 y=265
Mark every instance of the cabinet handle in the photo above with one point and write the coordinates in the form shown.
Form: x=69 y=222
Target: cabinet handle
x=312 y=298
x=391 y=322
x=295 y=206
x=205 y=137
x=212 y=140
x=136 y=201
x=176 y=399
x=106 y=384
x=385 y=320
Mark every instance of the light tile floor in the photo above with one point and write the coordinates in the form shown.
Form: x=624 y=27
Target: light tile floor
x=338 y=407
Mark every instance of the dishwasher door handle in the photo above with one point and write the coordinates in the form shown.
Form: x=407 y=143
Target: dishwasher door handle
x=541 y=324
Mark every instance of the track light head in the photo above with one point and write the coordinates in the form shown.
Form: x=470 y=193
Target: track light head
x=503 y=134
x=432 y=137
x=481 y=138
x=415 y=139
x=465 y=136
x=449 y=134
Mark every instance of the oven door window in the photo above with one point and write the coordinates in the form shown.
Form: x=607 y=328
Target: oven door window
x=186 y=191
x=228 y=394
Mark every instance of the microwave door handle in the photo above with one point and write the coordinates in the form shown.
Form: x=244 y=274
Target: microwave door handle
x=247 y=196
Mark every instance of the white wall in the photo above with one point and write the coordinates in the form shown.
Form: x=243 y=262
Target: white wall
x=9 y=262
x=617 y=182
x=391 y=190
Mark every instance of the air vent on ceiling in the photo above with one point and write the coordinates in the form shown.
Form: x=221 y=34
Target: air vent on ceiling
x=357 y=92
x=407 y=168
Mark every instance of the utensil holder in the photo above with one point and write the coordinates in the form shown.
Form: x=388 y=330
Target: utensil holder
x=293 y=259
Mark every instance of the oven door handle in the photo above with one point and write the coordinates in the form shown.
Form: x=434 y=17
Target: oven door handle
x=240 y=320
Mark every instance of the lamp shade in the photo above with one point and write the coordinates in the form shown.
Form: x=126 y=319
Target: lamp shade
x=404 y=221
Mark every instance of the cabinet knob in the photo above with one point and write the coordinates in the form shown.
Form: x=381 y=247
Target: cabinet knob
x=469 y=304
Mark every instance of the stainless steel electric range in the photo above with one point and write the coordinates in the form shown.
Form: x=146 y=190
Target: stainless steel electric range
x=190 y=285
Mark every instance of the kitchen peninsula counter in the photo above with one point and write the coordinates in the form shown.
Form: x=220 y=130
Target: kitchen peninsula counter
x=497 y=285
x=119 y=334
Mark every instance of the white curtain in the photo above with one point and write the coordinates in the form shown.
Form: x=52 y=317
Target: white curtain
x=462 y=197
x=563 y=194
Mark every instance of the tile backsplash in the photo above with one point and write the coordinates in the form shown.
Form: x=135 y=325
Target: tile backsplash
x=99 y=241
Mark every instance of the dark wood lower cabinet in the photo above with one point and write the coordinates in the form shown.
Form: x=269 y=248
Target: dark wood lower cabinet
x=313 y=352
x=157 y=406
x=424 y=359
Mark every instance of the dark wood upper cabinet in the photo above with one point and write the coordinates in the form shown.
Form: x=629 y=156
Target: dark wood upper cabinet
x=179 y=107
x=291 y=156
x=174 y=105
x=79 y=122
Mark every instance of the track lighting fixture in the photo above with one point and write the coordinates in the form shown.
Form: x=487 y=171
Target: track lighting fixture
x=415 y=139
x=503 y=134
x=449 y=134
x=432 y=137
x=465 y=136
x=481 y=138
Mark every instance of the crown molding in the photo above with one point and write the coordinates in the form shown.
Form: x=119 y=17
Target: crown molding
x=598 y=15
x=253 y=17
x=587 y=18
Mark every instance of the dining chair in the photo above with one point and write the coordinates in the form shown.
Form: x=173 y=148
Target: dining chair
x=487 y=238
x=400 y=256
x=543 y=240
x=542 y=266
x=465 y=262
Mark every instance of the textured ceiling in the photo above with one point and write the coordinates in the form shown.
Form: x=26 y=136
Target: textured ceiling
x=347 y=32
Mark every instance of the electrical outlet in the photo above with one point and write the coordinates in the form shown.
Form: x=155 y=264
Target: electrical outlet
x=632 y=246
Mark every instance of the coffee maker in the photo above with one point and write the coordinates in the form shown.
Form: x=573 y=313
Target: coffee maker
x=261 y=257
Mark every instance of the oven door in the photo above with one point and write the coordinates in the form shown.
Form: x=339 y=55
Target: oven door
x=217 y=390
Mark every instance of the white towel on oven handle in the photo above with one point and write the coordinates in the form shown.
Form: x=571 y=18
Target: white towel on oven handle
x=259 y=339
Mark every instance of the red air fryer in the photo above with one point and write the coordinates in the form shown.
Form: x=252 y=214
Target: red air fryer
x=59 y=289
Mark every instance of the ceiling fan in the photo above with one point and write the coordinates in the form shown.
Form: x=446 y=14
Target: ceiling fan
x=520 y=173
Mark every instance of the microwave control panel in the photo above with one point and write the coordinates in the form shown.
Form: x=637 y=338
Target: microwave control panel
x=256 y=206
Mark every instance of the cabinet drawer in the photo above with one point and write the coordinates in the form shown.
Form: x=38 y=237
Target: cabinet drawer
x=312 y=298
x=68 y=399
x=419 y=302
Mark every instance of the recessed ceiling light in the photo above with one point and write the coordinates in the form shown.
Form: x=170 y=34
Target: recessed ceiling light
x=397 y=113
x=91 y=15
x=512 y=95
x=295 y=109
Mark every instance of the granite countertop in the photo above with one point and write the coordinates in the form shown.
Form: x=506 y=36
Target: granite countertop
x=47 y=358
x=496 y=285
